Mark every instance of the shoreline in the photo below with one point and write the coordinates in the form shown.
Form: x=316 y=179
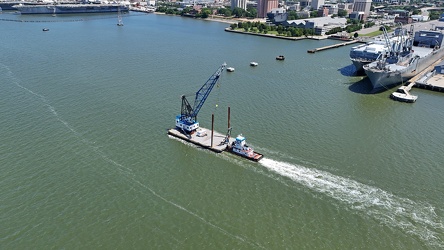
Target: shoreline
x=214 y=18
x=234 y=21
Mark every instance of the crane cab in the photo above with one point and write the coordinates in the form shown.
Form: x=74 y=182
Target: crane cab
x=187 y=126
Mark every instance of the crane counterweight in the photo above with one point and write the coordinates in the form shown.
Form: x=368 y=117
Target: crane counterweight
x=187 y=120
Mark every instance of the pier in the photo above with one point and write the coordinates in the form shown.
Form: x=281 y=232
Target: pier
x=424 y=79
x=437 y=84
x=331 y=46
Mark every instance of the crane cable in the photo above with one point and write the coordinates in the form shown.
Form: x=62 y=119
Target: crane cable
x=218 y=93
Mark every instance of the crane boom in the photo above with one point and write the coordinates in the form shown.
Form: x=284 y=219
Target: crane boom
x=188 y=115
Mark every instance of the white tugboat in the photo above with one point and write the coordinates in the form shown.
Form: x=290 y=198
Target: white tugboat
x=240 y=147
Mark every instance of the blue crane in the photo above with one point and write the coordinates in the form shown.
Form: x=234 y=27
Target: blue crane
x=187 y=120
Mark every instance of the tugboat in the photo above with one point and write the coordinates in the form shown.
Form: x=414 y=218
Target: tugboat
x=239 y=147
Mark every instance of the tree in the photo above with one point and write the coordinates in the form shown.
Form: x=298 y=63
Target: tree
x=238 y=12
x=186 y=10
x=251 y=12
x=314 y=13
x=342 y=13
x=227 y=13
x=292 y=15
x=204 y=13
x=334 y=31
x=416 y=12
x=280 y=29
x=356 y=35
x=434 y=15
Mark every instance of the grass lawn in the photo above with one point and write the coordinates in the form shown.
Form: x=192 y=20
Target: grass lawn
x=371 y=34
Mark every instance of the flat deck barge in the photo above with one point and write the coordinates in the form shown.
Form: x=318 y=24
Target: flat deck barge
x=203 y=141
x=218 y=142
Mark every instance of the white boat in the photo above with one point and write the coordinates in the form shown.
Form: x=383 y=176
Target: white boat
x=240 y=147
x=403 y=95
x=254 y=64
x=230 y=69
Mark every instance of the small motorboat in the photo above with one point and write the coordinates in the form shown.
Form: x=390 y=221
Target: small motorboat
x=45 y=29
x=254 y=64
x=230 y=69
x=403 y=95
x=280 y=57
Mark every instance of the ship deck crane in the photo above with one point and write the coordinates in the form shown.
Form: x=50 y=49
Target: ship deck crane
x=187 y=120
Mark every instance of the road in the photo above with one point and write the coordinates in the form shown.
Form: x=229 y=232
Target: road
x=417 y=26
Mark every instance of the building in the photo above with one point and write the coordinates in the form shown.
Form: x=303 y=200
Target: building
x=362 y=6
x=239 y=4
x=323 y=24
x=316 y=4
x=403 y=19
x=323 y=11
x=277 y=16
x=346 y=6
x=332 y=9
x=356 y=15
x=295 y=7
x=319 y=25
x=305 y=3
x=265 y=6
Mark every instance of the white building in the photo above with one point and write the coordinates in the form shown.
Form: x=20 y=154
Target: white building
x=362 y=6
x=320 y=25
x=239 y=4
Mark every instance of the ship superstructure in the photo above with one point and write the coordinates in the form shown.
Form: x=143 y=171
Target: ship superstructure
x=366 y=53
x=416 y=54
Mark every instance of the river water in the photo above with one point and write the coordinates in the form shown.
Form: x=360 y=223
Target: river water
x=85 y=160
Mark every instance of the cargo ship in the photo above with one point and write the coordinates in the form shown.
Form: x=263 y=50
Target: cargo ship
x=71 y=8
x=400 y=65
x=366 y=53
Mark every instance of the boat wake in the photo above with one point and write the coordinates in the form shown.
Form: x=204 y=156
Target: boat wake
x=416 y=219
x=413 y=218
x=125 y=171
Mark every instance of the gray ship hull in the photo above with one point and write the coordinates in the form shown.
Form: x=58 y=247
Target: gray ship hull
x=394 y=74
x=70 y=8
x=359 y=64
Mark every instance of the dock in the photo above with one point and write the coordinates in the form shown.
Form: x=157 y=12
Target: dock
x=332 y=46
x=429 y=81
x=425 y=80
x=203 y=141
x=437 y=84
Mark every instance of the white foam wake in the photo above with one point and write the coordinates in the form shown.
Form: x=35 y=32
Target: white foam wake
x=413 y=218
